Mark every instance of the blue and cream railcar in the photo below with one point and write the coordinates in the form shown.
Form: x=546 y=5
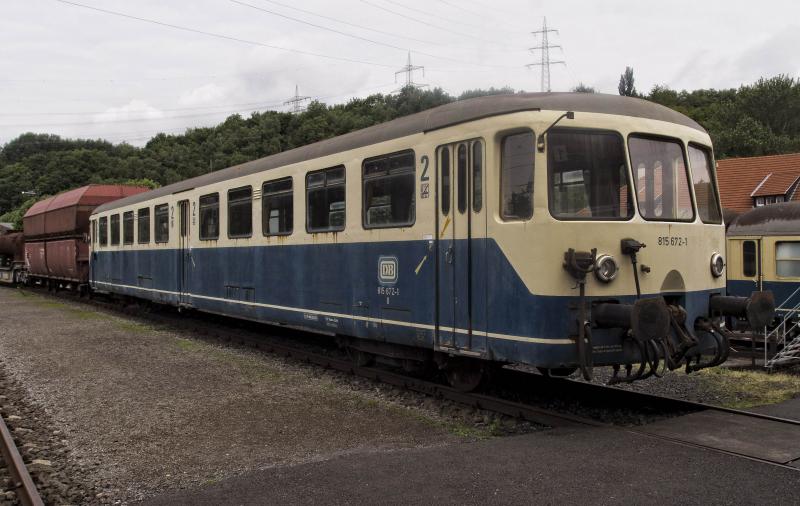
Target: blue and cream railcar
x=764 y=253
x=497 y=229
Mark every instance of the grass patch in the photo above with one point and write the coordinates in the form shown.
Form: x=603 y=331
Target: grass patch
x=744 y=389
x=130 y=326
x=187 y=344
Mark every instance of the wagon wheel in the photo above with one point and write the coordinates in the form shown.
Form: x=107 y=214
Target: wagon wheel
x=464 y=375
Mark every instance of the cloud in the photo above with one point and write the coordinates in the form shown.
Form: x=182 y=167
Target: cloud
x=135 y=109
x=207 y=94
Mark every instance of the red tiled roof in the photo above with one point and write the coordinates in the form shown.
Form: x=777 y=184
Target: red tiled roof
x=776 y=184
x=739 y=178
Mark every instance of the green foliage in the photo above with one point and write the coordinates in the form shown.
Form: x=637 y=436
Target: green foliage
x=763 y=118
x=15 y=215
x=758 y=119
x=626 y=83
x=583 y=88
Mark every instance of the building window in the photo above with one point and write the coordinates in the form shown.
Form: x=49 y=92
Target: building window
x=240 y=212
x=114 y=229
x=162 y=223
x=749 y=258
x=587 y=175
x=209 y=217
x=277 y=199
x=325 y=200
x=704 y=185
x=662 y=181
x=127 y=227
x=389 y=190
x=143 y=221
x=787 y=259
x=759 y=201
x=103 y=233
x=516 y=176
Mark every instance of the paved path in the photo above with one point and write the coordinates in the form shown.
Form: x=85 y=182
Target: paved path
x=575 y=466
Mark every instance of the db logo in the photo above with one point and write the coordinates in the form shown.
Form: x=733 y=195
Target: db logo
x=387 y=270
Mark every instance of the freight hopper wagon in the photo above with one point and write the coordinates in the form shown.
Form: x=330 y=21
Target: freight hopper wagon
x=12 y=258
x=56 y=232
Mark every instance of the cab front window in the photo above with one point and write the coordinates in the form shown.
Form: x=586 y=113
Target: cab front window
x=661 y=179
x=587 y=175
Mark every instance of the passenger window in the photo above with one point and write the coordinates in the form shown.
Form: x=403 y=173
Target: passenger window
x=587 y=175
x=143 y=222
x=162 y=223
x=749 y=258
x=389 y=190
x=325 y=200
x=516 y=176
x=661 y=179
x=277 y=198
x=103 y=233
x=209 y=217
x=787 y=257
x=477 y=176
x=94 y=232
x=704 y=185
x=114 y=229
x=444 y=163
x=462 y=178
x=240 y=212
x=127 y=227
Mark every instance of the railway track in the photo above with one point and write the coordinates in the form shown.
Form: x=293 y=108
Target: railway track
x=609 y=397
x=25 y=489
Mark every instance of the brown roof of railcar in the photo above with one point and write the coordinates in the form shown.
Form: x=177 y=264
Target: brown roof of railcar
x=425 y=121
x=59 y=214
x=774 y=219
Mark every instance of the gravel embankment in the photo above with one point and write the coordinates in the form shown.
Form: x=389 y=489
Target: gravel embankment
x=141 y=409
x=45 y=451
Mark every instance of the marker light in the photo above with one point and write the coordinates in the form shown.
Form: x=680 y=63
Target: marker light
x=606 y=268
x=717 y=265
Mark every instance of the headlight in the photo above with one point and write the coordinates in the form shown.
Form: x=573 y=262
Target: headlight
x=606 y=268
x=717 y=265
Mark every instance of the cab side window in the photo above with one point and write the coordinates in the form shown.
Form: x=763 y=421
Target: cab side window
x=516 y=176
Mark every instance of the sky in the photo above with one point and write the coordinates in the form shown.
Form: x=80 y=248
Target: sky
x=135 y=68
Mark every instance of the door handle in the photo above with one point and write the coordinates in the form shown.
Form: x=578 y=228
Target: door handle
x=448 y=255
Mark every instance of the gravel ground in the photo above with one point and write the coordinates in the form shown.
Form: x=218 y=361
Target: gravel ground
x=142 y=410
x=44 y=451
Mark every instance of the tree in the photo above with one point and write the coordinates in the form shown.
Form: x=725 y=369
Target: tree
x=626 y=83
x=583 y=88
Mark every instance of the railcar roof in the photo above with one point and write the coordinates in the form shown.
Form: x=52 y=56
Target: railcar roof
x=425 y=121
x=772 y=219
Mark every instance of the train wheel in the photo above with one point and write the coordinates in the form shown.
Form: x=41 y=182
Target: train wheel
x=360 y=358
x=557 y=372
x=464 y=375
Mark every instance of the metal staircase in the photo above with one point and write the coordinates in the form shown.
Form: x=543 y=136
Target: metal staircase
x=786 y=335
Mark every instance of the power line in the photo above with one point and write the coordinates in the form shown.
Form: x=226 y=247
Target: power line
x=544 y=49
x=433 y=25
x=365 y=39
x=221 y=36
x=390 y=34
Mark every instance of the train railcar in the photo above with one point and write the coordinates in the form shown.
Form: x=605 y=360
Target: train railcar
x=764 y=253
x=57 y=234
x=505 y=229
x=12 y=258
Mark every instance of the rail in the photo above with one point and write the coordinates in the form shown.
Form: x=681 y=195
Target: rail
x=25 y=488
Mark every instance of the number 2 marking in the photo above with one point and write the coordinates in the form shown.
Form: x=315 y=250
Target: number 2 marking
x=424 y=161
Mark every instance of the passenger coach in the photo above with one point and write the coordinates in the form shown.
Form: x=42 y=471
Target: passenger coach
x=498 y=229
